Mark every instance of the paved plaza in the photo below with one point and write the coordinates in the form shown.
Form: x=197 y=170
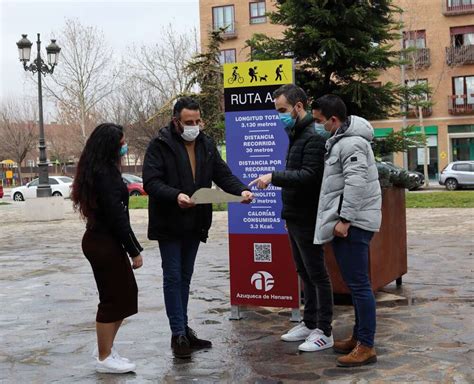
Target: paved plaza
x=48 y=304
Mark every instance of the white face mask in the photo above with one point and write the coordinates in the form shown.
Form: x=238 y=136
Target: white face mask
x=190 y=132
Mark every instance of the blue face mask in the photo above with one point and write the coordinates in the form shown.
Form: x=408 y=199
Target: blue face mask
x=287 y=120
x=123 y=149
x=319 y=128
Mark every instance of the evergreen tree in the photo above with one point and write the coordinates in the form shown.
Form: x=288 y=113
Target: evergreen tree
x=206 y=72
x=399 y=141
x=340 y=47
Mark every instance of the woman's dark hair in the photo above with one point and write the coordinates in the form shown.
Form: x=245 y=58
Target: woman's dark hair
x=101 y=153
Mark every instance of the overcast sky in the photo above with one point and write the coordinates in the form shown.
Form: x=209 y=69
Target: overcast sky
x=123 y=22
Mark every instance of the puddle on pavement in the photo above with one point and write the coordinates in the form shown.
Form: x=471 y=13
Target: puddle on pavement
x=218 y=310
x=211 y=322
x=209 y=299
x=36 y=358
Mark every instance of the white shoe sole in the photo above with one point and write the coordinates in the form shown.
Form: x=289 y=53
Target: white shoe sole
x=308 y=349
x=107 y=370
x=293 y=338
x=95 y=355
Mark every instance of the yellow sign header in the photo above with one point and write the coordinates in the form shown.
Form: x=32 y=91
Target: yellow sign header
x=258 y=73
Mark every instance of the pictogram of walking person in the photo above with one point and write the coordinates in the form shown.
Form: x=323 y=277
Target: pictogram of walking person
x=253 y=74
x=279 y=71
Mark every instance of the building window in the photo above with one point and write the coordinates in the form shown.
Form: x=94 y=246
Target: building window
x=223 y=17
x=257 y=12
x=416 y=157
x=462 y=142
x=462 y=36
x=227 y=56
x=463 y=87
x=414 y=39
x=462 y=148
x=453 y=4
x=421 y=97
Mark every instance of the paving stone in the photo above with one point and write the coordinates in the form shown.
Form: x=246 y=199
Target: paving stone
x=49 y=299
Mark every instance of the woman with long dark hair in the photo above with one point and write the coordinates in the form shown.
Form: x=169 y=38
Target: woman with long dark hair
x=101 y=197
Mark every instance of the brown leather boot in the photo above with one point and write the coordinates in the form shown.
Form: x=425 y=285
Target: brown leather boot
x=345 y=346
x=360 y=355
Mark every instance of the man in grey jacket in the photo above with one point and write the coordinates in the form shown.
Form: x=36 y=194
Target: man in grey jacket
x=349 y=213
x=300 y=183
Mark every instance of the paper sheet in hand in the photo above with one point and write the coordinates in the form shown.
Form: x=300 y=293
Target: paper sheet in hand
x=209 y=196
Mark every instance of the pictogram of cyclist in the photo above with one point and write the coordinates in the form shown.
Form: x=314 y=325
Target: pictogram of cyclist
x=235 y=77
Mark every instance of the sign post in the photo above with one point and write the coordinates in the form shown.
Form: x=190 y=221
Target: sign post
x=262 y=271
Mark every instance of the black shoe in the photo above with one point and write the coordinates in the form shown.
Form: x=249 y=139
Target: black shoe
x=181 y=347
x=196 y=343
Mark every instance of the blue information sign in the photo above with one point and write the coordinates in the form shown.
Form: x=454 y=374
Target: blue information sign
x=256 y=141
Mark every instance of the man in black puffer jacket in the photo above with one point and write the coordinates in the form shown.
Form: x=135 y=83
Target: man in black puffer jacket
x=301 y=184
x=178 y=162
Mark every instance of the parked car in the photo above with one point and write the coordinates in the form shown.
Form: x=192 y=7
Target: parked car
x=1 y=191
x=134 y=184
x=60 y=186
x=458 y=174
x=417 y=177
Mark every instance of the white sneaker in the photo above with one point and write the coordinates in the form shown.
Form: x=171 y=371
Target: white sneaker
x=317 y=341
x=113 y=365
x=298 y=333
x=95 y=354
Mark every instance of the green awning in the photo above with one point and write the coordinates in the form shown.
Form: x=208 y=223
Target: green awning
x=430 y=130
x=382 y=132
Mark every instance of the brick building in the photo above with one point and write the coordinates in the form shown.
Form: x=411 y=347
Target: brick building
x=441 y=33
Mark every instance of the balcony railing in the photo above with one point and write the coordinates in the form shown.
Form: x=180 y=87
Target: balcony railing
x=461 y=104
x=412 y=112
x=419 y=57
x=457 y=7
x=460 y=55
x=230 y=30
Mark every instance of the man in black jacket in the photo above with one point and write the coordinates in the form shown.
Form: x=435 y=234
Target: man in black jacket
x=301 y=184
x=178 y=162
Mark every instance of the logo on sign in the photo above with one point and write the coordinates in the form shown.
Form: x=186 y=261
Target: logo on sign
x=262 y=281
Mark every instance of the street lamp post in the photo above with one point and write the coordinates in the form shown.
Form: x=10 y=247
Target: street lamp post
x=40 y=67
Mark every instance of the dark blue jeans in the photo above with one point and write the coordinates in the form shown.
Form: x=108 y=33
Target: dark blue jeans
x=177 y=261
x=352 y=255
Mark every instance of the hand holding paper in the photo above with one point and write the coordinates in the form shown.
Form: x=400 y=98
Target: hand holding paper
x=210 y=196
x=248 y=197
x=184 y=201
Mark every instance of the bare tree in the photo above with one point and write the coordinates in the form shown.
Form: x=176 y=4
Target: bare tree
x=143 y=130
x=152 y=76
x=63 y=143
x=162 y=66
x=18 y=130
x=86 y=76
x=141 y=110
